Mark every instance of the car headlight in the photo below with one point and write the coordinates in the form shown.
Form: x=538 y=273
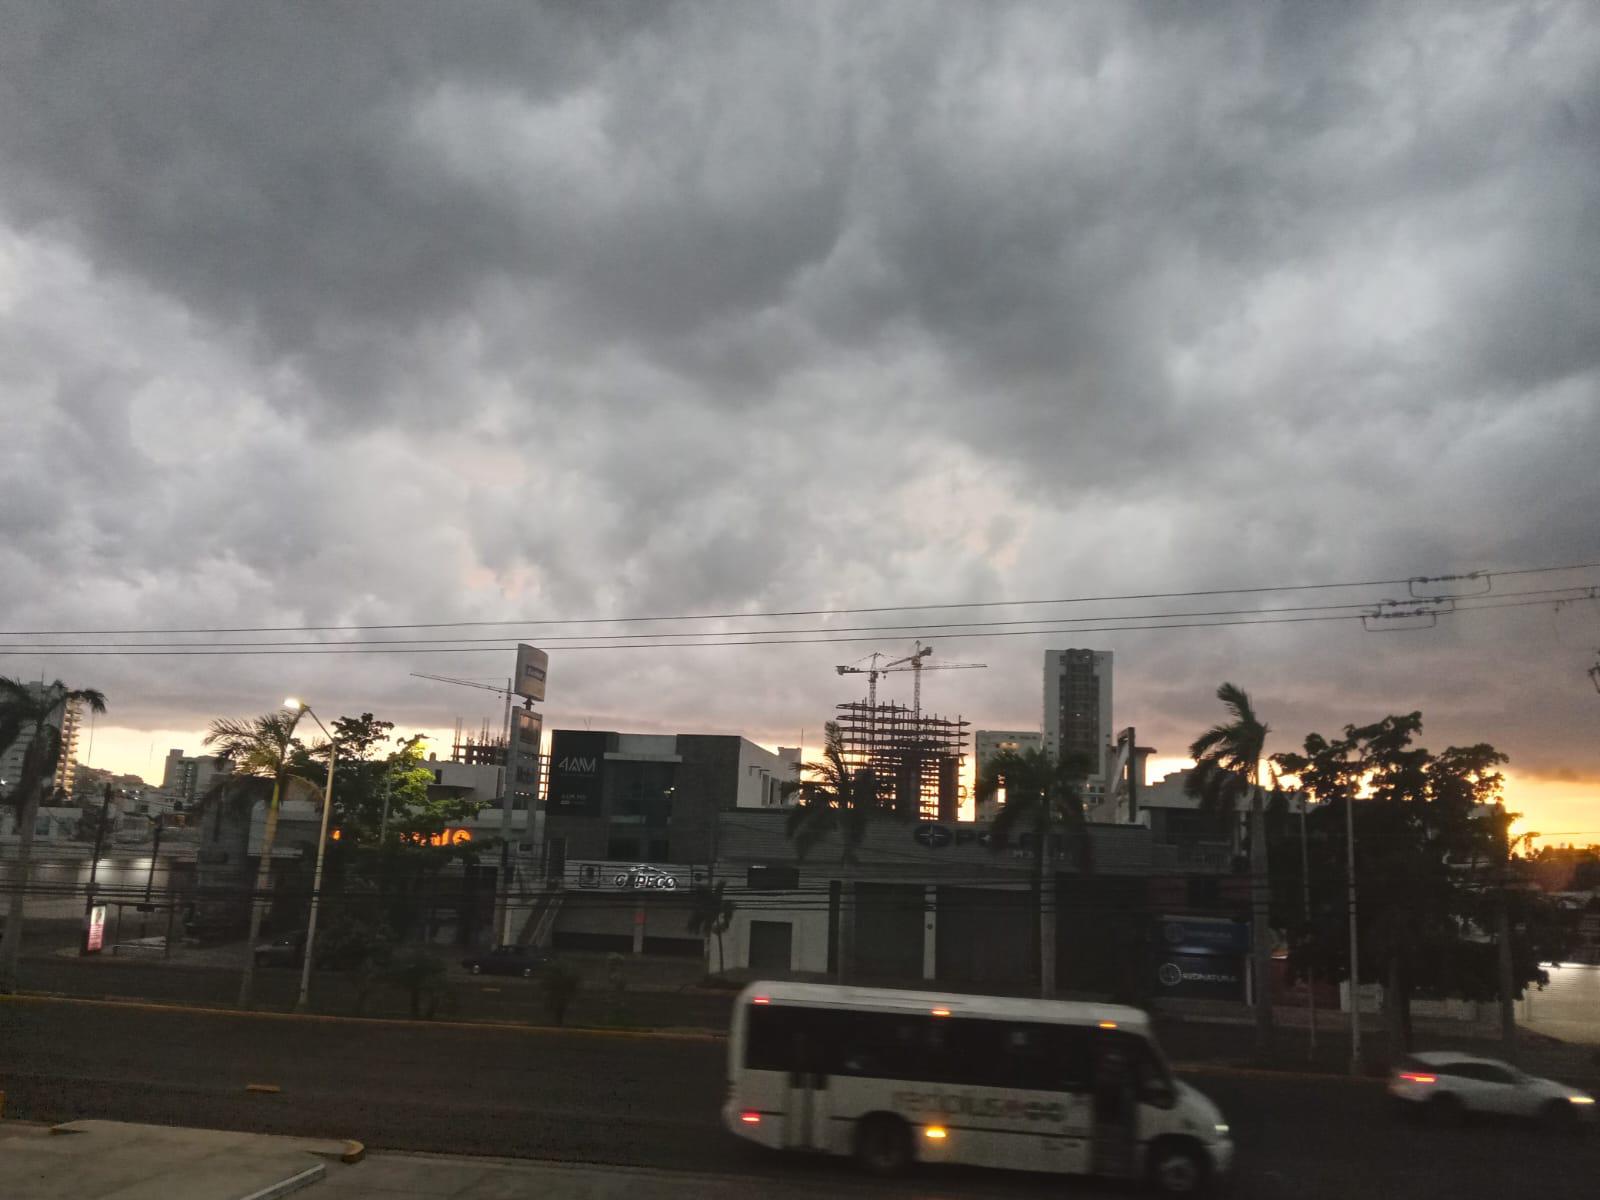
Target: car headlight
x=1222 y=1130
x=1580 y=1099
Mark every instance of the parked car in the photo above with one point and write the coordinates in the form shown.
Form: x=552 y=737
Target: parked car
x=1445 y=1086
x=525 y=961
x=286 y=951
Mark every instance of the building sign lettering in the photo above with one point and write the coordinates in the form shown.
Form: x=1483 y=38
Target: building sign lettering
x=966 y=1104
x=633 y=877
x=936 y=837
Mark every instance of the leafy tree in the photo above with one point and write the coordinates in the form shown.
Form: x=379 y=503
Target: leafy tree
x=262 y=746
x=711 y=915
x=37 y=710
x=373 y=778
x=832 y=800
x=1043 y=800
x=1228 y=767
x=1432 y=856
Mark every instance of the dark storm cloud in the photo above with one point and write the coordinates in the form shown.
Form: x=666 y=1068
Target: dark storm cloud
x=406 y=312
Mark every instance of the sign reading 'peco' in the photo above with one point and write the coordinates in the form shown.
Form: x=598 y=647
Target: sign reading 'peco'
x=937 y=837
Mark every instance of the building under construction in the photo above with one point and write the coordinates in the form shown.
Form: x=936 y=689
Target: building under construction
x=913 y=761
x=480 y=749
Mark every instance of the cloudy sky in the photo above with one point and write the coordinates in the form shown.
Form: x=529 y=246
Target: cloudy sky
x=336 y=315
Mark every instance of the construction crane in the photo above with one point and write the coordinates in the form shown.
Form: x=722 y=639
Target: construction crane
x=871 y=673
x=911 y=662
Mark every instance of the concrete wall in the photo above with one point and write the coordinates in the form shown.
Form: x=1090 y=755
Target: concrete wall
x=809 y=945
x=762 y=775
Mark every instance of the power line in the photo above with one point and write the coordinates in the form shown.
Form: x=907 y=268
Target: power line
x=608 y=637
x=1562 y=593
x=815 y=612
x=976 y=630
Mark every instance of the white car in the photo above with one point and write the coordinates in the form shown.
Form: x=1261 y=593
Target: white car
x=1445 y=1086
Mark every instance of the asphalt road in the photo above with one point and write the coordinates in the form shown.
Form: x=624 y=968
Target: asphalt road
x=652 y=1101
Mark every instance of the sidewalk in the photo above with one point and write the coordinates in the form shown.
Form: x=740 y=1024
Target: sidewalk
x=110 y=1160
x=396 y=1176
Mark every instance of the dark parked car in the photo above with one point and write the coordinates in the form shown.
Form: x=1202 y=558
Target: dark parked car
x=509 y=960
x=286 y=951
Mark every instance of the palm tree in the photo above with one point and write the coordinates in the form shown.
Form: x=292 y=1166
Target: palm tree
x=833 y=800
x=38 y=709
x=261 y=746
x=1228 y=761
x=1043 y=797
x=711 y=915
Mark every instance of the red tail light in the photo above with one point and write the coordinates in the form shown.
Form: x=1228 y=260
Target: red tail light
x=1417 y=1077
x=750 y=1118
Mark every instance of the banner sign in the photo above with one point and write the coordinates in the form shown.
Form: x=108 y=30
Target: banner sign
x=532 y=668
x=577 y=764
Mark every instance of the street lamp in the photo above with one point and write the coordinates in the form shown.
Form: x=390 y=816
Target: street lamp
x=301 y=706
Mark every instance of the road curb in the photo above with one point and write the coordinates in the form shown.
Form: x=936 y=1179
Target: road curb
x=304 y=1179
x=678 y=1035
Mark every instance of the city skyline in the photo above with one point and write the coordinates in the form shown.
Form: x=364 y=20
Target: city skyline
x=592 y=313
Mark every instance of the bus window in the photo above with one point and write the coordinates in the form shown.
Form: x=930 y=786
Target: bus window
x=789 y=1038
x=1052 y=1058
x=891 y=1046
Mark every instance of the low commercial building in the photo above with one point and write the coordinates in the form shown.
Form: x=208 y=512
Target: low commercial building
x=935 y=902
x=631 y=825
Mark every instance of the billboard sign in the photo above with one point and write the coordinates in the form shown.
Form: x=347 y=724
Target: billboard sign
x=94 y=930
x=532 y=667
x=577 y=765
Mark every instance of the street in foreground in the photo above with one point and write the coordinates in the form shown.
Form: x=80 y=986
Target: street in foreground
x=648 y=1101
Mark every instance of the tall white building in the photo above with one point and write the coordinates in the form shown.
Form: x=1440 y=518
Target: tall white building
x=187 y=778
x=1077 y=708
x=986 y=743
x=68 y=717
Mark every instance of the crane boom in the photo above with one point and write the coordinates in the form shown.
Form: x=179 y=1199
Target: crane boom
x=487 y=687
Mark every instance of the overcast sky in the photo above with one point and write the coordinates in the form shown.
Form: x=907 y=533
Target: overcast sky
x=371 y=314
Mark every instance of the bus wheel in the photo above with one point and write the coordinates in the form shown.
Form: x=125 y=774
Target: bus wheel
x=883 y=1144
x=1176 y=1169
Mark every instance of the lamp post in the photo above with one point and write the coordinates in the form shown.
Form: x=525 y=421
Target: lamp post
x=94 y=866
x=322 y=845
x=1355 y=948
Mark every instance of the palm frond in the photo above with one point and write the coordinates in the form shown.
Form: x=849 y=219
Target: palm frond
x=91 y=698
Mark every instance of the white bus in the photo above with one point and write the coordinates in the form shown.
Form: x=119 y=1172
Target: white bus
x=895 y=1077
